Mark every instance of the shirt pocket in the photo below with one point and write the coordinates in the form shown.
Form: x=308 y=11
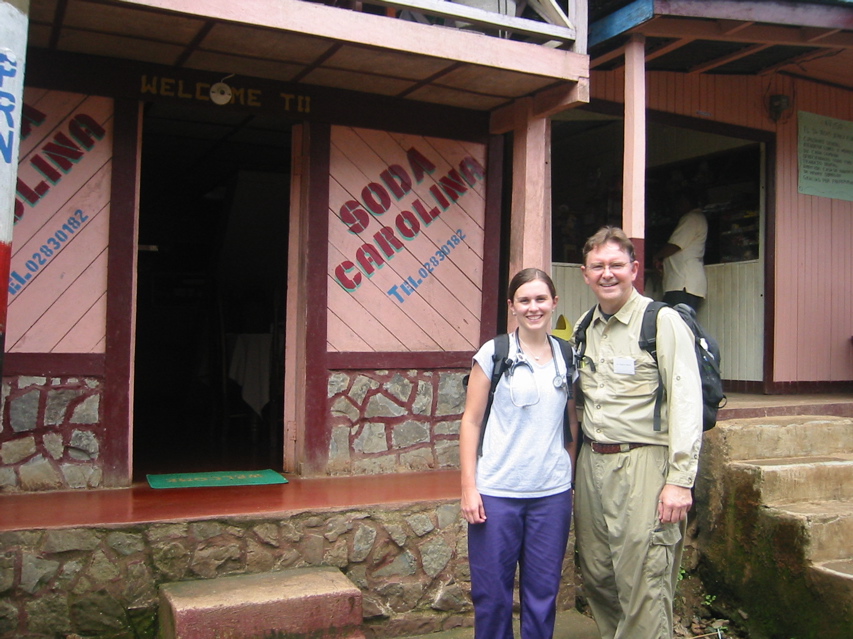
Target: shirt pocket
x=642 y=383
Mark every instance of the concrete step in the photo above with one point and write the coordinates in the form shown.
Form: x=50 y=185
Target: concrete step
x=834 y=581
x=828 y=527
x=315 y=603
x=799 y=479
x=788 y=436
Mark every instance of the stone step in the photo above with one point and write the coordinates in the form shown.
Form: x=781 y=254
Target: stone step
x=833 y=580
x=828 y=527
x=789 y=436
x=796 y=479
x=315 y=603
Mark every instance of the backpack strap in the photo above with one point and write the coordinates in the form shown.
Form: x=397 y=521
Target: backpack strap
x=568 y=360
x=580 y=334
x=648 y=342
x=500 y=362
x=579 y=338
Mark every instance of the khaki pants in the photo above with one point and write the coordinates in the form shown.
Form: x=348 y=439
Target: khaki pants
x=629 y=561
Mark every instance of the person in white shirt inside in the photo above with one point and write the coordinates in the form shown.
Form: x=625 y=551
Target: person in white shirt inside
x=682 y=257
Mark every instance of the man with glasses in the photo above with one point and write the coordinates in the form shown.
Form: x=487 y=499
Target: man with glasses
x=633 y=488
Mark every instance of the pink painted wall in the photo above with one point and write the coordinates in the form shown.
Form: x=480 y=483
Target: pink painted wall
x=406 y=217
x=813 y=264
x=58 y=282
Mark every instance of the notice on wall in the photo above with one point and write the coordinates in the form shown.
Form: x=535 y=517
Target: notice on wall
x=825 y=156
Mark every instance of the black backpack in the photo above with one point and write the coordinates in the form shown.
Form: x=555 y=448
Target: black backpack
x=501 y=362
x=707 y=355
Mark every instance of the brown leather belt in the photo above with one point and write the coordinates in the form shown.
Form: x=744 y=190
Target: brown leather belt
x=607 y=449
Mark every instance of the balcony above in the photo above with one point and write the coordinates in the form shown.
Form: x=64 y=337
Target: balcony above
x=425 y=50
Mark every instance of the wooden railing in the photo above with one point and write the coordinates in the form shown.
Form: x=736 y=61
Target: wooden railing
x=551 y=26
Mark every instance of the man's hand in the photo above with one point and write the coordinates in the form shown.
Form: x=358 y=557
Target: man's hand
x=674 y=503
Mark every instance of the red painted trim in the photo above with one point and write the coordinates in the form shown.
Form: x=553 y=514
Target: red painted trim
x=770 y=262
x=492 y=296
x=377 y=361
x=55 y=364
x=121 y=291
x=787 y=388
x=317 y=429
x=5 y=260
x=122 y=79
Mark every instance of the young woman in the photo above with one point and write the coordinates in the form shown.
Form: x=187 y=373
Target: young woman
x=517 y=492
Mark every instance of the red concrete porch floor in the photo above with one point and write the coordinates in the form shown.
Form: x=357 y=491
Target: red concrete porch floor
x=140 y=503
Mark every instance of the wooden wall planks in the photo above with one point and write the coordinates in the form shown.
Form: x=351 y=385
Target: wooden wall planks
x=60 y=242
x=444 y=314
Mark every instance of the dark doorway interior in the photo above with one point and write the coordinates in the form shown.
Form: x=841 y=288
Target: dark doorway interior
x=214 y=210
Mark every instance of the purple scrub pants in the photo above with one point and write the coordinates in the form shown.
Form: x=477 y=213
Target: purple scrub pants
x=532 y=533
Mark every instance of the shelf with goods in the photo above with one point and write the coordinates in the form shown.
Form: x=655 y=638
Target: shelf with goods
x=728 y=186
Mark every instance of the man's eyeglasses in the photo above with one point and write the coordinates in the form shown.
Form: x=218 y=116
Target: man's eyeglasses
x=614 y=267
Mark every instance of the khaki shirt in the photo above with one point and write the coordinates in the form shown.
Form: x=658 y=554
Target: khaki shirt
x=619 y=381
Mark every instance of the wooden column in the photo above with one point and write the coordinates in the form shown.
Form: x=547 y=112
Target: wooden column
x=530 y=226
x=634 y=173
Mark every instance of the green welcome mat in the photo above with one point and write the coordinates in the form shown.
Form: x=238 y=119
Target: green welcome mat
x=223 y=478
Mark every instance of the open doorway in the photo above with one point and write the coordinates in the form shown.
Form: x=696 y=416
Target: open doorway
x=725 y=166
x=213 y=227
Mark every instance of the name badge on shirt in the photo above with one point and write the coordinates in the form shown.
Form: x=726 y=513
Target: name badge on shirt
x=623 y=365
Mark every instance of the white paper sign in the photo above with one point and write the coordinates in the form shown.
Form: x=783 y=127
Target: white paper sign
x=825 y=156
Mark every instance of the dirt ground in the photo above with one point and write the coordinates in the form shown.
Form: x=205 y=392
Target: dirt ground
x=698 y=613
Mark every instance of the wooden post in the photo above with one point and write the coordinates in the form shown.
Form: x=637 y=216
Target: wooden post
x=530 y=226
x=634 y=173
x=13 y=49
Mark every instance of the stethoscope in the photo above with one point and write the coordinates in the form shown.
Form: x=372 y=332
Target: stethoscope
x=559 y=379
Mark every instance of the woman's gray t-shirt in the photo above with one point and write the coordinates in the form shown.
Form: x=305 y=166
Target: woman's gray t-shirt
x=523 y=450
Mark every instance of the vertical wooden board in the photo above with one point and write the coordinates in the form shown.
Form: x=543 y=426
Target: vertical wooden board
x=734 y=315
x=842 y=313
x=576 y=298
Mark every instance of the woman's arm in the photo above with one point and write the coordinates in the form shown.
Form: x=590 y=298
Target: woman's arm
x=574 y=428
x=469 y=440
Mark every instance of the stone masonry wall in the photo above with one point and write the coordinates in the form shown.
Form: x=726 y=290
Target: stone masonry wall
x=51 y=434
x=394 y=421
x=409 y=560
